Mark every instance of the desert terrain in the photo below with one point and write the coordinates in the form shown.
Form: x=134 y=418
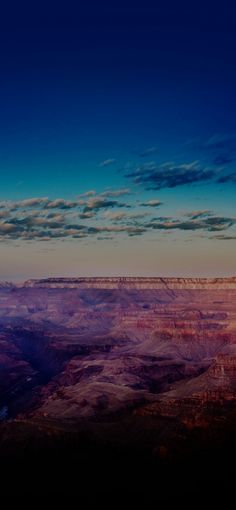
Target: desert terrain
x=139 y=372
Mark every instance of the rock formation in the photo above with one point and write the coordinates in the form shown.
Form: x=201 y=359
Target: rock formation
x=94 y=346
x=137 y=375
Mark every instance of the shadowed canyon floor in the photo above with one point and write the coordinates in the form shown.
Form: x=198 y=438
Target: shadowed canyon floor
x=138 y=372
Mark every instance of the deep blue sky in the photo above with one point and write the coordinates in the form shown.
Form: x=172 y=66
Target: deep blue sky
x=136 y=86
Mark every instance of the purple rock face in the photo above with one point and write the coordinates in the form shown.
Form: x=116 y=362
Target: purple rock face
x=92 y=348
x=120 y=384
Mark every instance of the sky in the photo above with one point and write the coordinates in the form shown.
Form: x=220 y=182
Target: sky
x=117 y=139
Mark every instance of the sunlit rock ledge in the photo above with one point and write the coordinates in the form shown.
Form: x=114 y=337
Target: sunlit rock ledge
x=133 y=283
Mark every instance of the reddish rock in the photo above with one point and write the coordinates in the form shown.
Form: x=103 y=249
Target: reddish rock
x=93 y=346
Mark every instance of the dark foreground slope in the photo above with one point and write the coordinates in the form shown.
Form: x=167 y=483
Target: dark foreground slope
x=118 y=388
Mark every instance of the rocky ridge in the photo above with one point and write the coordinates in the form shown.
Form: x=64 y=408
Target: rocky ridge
x=136 y=376
x=133 y=283
x=90 y=347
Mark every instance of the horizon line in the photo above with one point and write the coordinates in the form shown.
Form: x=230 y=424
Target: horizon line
x=114 y=278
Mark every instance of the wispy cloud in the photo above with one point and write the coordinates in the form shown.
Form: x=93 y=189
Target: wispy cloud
x=123 y=216
x=223 y=159
x=148 y=152
x=220 y=147
x=107 y=162
x=101 y=203
x=221 y=141
x=227 y=178
x=116 y=192
x=223 y=237
x=194 y=215
x=151 y=203
x=170 y=175
x=131 y=230
x=88 y=193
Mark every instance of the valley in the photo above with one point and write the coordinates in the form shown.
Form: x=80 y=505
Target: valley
x=142 y=366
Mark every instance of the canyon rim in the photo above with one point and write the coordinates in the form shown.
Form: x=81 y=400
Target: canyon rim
x=138 y=374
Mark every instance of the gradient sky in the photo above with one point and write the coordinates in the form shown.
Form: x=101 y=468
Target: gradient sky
x=117 y=139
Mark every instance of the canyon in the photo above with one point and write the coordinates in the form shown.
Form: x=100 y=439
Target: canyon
x=145 y=365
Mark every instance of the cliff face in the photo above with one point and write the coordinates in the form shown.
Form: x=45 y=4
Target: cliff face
x=202 y=399
x=118 y=365
x=78 y=348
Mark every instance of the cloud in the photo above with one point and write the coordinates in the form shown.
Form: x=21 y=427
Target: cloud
x=194 y=215
x=32 y=227
x=101 y=203
x=24 y=220
x=31 y=202
x=105 y=238
x=116 y=193
x=60 y=203
x=44 y=219
x=6 y=228
x=123 y=216
x=148 y=152
x=170 y=175
x=4 y=214
x=152 y=203
x=107 y=162
x=115 y=216
x=95 y=202
x=38 y=221
x=221 y=141
x=217 y=142
x=130 y=230
x=138 y=215
x=27 y=203
x=223 y=159
x=211 y=224
x=89 y=193
x=222 y=147
x=107 y=193
x=162 y=218
x=227 y=178
x=51 y=214
x=218 y=223
x=87 y=215
x=222 y=237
